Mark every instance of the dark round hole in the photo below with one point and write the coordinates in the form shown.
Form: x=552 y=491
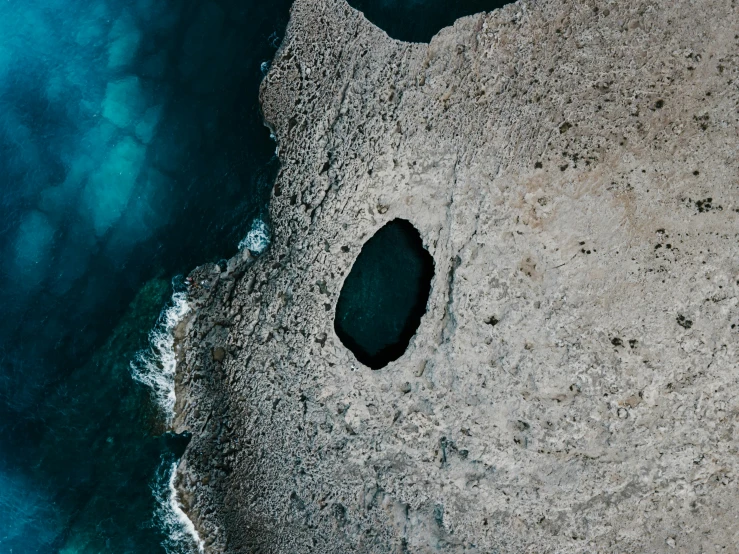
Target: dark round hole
x=420 y=20
x=385 y=295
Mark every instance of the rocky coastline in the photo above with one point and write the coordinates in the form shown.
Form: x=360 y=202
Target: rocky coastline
x=572 y=387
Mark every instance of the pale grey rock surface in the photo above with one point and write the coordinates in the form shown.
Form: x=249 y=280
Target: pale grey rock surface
x=572 y=168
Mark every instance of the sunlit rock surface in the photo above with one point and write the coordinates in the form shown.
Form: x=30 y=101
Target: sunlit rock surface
x=572 y=387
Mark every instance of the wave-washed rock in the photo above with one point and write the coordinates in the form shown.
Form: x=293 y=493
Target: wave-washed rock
x=573 y=386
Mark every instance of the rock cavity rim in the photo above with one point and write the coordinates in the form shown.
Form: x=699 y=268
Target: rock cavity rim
x=384 y=296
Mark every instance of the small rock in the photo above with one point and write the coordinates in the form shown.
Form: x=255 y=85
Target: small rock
x=219 y=354
x=405 y=388
x=684 y=322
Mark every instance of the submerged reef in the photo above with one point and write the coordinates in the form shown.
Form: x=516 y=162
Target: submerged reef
x=571 y=386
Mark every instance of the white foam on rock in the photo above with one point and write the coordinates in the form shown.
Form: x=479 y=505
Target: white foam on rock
x=182 y=537
x=155 y=366
x=257 y=239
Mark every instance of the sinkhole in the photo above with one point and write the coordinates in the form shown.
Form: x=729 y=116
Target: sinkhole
x=420 y=20
x=385 y=295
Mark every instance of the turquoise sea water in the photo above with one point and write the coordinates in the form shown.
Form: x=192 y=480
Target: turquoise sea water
x=131 y=150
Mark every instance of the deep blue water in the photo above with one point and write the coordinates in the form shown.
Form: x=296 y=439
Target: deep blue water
x=131 y=150
x=420 y=20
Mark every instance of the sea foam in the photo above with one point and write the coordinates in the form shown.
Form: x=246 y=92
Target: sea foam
x=181 y=535
x=155 y=366
x=257 y=239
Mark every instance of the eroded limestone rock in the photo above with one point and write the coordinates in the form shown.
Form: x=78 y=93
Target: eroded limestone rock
x=573 y=386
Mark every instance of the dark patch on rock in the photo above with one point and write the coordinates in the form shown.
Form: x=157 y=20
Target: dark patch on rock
x=219 y=354
x=684 y=322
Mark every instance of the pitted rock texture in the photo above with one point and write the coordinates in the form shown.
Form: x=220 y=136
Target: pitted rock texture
x=574 y=384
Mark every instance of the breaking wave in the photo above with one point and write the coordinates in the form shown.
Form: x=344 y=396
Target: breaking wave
x=155 y=366
x=257 y=239
x=181 y=535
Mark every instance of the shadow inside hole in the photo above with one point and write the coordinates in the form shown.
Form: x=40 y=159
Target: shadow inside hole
x=385 y=295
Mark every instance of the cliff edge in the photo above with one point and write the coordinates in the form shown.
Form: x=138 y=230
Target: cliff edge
x=573 y=386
